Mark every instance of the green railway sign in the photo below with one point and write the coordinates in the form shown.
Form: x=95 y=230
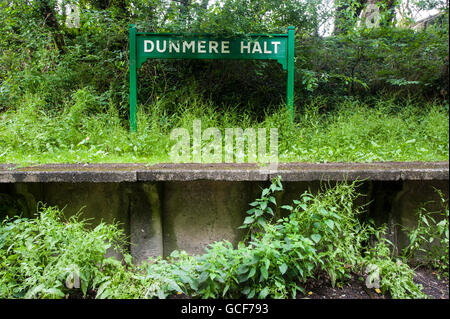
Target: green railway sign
x=145 y=45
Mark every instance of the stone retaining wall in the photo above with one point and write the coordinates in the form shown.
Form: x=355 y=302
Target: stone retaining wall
x=190 y=208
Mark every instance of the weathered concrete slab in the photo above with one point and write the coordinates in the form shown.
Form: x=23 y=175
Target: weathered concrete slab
x=414 y=195
x=163 y=207
x=295 y=172
x=68 y=173
x=145 y=221
x=198 y=213
x=380 y=171
x=159 y=217
x=194 y=172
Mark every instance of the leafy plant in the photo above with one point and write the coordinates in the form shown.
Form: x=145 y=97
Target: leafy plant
x=429 y=241
x=49 y=257
x=260 y=214
x=332 y=222
x=45 y=257
x=395 y=276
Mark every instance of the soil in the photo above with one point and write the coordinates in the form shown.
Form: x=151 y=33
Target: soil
x=434 y=287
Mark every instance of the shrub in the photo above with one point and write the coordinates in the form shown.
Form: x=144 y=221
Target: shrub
x=429 y=240
x=47 y=256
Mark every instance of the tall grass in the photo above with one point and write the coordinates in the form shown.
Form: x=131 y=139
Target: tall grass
x=90 y=129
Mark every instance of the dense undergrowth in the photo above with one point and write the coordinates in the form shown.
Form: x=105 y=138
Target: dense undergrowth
x=361 y=93
x=90 y=129
x=322 y=234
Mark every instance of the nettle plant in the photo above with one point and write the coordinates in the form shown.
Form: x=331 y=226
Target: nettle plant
x=331 y=221
x=48 y=256
x=262 y=213
x=429 y=240
x=321 y=235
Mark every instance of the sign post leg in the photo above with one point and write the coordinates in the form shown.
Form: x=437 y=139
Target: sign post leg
x=290 y=71
x=133 y=78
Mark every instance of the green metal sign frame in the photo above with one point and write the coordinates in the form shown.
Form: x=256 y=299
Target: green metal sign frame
x=145 y=45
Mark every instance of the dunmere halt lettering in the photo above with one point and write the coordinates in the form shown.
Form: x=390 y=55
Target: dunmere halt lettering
x=210 y=46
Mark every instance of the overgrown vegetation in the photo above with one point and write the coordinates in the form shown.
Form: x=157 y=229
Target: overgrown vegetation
x=320 y=235
x=91 y=130
x=429 y=240
x=362 y=93
x=40 y=256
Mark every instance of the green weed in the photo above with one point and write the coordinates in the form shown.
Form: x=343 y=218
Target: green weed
x=48 y=256
x=90 y=129
x=323 y=234
x=429 y=240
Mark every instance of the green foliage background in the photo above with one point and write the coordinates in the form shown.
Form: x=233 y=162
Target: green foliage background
x=65 y=90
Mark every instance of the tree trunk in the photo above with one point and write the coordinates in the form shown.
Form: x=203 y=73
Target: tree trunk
x=47 y=11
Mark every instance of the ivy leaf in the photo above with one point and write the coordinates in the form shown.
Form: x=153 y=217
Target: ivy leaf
x=316 y=237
